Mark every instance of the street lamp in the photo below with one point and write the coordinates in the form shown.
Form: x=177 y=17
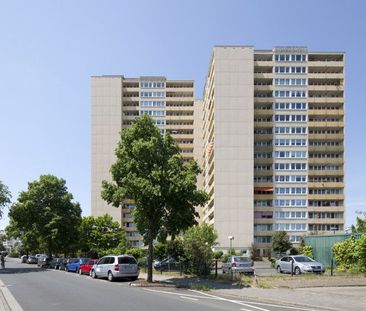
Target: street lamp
x=231 y=238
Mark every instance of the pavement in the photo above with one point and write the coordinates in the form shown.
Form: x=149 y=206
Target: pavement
x=338 y=293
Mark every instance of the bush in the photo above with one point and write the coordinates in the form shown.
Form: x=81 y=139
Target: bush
x=307 y=250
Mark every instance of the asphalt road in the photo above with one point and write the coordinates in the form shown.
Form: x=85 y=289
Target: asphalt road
x=38 y=289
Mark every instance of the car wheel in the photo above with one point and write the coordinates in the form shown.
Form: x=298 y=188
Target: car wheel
x=297 y=271
x=93 y=274
x=279 y=270
x=134 y=278
x=80 y=272
x=66 y=269
x=110 y=276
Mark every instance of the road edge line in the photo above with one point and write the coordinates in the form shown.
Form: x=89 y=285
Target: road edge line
x=9 y=298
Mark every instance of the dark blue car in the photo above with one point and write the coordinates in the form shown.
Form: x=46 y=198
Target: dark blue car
x=74 y=264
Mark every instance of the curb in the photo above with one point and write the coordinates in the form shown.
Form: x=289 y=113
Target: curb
x=8 y=300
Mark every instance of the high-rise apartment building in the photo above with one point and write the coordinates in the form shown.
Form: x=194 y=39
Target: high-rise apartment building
x=273 y=144
x=268 y=134
x=116 y=102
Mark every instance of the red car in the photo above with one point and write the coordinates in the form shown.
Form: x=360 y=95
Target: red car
x=85 y=268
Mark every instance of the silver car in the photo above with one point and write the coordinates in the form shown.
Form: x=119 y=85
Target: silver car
x=115 y=267
x=238 y=264
x=301 y=264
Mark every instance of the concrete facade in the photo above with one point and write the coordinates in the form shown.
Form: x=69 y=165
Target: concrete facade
x=268 y=134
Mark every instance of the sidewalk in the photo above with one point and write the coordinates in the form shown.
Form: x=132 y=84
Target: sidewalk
x=339 y=298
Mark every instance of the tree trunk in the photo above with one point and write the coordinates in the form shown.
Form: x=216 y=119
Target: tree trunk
x=150 y=261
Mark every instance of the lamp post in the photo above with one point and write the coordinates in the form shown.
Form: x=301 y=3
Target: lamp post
x=231 y=238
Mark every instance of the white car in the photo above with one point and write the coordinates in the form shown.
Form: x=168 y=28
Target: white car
x=301 y=264
x=115 y=267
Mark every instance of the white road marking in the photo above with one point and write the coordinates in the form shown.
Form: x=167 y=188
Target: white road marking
x=177 y=294
x=11 y=301
x=185 y=297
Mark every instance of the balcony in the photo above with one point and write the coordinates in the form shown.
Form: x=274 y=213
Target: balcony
x=316 y=173
x=325 y=112
x=323 y=124
x=325 y=64
x=320 y=197
x=326 y=149
x=326 y=137
x=321 y=209
x=326 y=221
x=326 y=161
x=322 y=185
x=263 y=75
x=325 y=88
x=327 y=75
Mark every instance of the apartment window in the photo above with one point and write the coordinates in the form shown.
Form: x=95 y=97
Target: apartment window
x=290 y=94
x=290 y=227
x=262 y=239
x=290 y=154
x=153 y=113
x=290 y=142
x=290 y=178
x=290 y=82
x=159 y=122
x=152 y=84
x=290 y=106
x=290 y=203
x=290 y=118
x=152 y=94
x=262 y=227
x=290 y=215
x=290 y=57
x=283 y=69
x=294 y=238
x=290 y=190
x=152 y=103
x=290 y=166
x=290 y=130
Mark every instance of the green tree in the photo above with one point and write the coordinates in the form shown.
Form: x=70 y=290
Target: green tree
x=307 y=250
x=5 y=197
x=150 y=171
x=281 y=242
x=101 y=235
x=46 y=212
x=197 y=243
x=346 y=253
x=160 y=251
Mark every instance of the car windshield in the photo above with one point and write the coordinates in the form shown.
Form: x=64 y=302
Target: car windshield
x=84 y=260
x=241 y=259
x=91 y=262
x=303 y=259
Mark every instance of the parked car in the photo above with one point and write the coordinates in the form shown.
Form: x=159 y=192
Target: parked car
x=301 y=264
x=85 y=267
x=43 y=261
x=23 y=259
x=114 y=267
x=55 y=263
x=64 y=262
x=166 y=264
x=32 y=260
x=74 y=264
x=238 y=264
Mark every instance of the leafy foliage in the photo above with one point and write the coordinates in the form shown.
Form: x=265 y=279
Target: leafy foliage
x=101 y=236
x=197 y=243
x=307 y=250
x=44 y=216
x=345 y=253
x=4 y=197
x=280 y=242
x=150 y=171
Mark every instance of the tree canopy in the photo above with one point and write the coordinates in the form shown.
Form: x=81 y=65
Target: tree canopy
x=150 y=171
x=44 y=216
x=281 y=242
x=101 y=235
x=4 y=197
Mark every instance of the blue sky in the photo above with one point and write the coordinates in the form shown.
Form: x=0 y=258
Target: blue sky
x=49 y=50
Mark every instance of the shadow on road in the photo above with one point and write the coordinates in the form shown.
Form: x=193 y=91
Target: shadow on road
x=12 y=270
